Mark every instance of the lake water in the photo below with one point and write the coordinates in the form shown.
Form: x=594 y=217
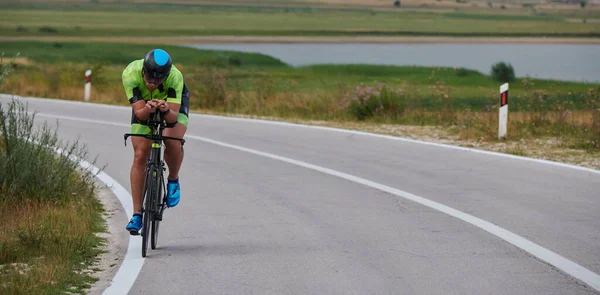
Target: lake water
x=572 y=62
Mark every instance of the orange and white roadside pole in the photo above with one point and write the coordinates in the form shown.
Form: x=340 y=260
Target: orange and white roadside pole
x=503 y=112
x=88 y=85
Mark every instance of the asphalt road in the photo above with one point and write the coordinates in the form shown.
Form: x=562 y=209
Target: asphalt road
x=261 y=214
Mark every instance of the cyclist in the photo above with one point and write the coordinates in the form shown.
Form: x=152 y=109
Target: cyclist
x=154 y=83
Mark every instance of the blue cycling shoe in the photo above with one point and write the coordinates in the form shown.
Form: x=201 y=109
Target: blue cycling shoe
x=173 y=193
x=135 y=224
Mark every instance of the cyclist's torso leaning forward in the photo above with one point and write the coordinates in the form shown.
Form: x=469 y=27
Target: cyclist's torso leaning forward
x=172 y=90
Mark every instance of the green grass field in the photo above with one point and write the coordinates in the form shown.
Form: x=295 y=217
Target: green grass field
x=243 y=70
x=122 y=53
x=139 y=19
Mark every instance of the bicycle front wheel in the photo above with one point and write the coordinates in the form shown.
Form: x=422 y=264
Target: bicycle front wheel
x=154 y=239
x=159 y=211
x=148 y=208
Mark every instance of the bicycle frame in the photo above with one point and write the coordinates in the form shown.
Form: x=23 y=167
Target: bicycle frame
x=154 y=185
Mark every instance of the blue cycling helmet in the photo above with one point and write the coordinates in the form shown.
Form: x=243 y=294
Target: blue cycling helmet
x=157 y=66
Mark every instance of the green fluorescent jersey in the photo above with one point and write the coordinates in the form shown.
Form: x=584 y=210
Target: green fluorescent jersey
x=170 y=90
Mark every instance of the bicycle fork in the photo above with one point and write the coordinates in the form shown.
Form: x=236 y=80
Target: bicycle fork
x=158 y=171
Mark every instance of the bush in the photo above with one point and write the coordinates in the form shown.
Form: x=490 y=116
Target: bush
x=222 y=61
x=47 y=29
x=235 y=61
x=461 y=72
x=29 y=167
x=381 y=100
x=5 y=69
x=503 y=72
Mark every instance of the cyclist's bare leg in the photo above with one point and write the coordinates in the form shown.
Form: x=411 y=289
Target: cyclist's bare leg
x=141 y=151
x=173 y=152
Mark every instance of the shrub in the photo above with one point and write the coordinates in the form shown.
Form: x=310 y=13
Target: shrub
x=5 y=69
x=221 y=61
x=47 y=29
x=235 y=61
x=503 y=72
x=461 y=72
x=593 y=102
x=29 y=167
x=381 y=100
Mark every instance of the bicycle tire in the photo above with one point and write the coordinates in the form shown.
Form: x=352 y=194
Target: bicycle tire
x=148 y=196
x=154 y=238
x=159 y=211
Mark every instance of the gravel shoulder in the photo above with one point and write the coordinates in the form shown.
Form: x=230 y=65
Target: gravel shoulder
x=117 y=240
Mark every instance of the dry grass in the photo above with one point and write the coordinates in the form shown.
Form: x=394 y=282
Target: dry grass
x=43 y=245
x=64 y=81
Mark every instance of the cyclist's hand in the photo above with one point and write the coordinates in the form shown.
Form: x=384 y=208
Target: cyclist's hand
x=151 y=106
x=162 y=105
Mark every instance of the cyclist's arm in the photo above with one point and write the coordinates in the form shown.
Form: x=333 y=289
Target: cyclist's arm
x=174 y=95
x=173 y=113
x=137 y=102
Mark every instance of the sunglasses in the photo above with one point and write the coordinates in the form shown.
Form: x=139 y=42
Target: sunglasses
x=153 y=80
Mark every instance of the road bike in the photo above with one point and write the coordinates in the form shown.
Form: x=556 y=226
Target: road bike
x=154 y=201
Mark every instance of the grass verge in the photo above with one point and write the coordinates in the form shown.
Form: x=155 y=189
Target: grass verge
x=48 y=212
x=48 y=248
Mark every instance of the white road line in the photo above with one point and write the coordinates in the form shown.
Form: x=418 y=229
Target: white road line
x=577 y=271
x=296 y=125
x=396 y=138
x=133 y=261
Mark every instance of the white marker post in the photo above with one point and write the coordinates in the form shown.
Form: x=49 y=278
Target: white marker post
x=503 y=112
x=88 y=85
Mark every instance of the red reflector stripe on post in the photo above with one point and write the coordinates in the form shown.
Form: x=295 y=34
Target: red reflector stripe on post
x=504 y=99
x=88 y=79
